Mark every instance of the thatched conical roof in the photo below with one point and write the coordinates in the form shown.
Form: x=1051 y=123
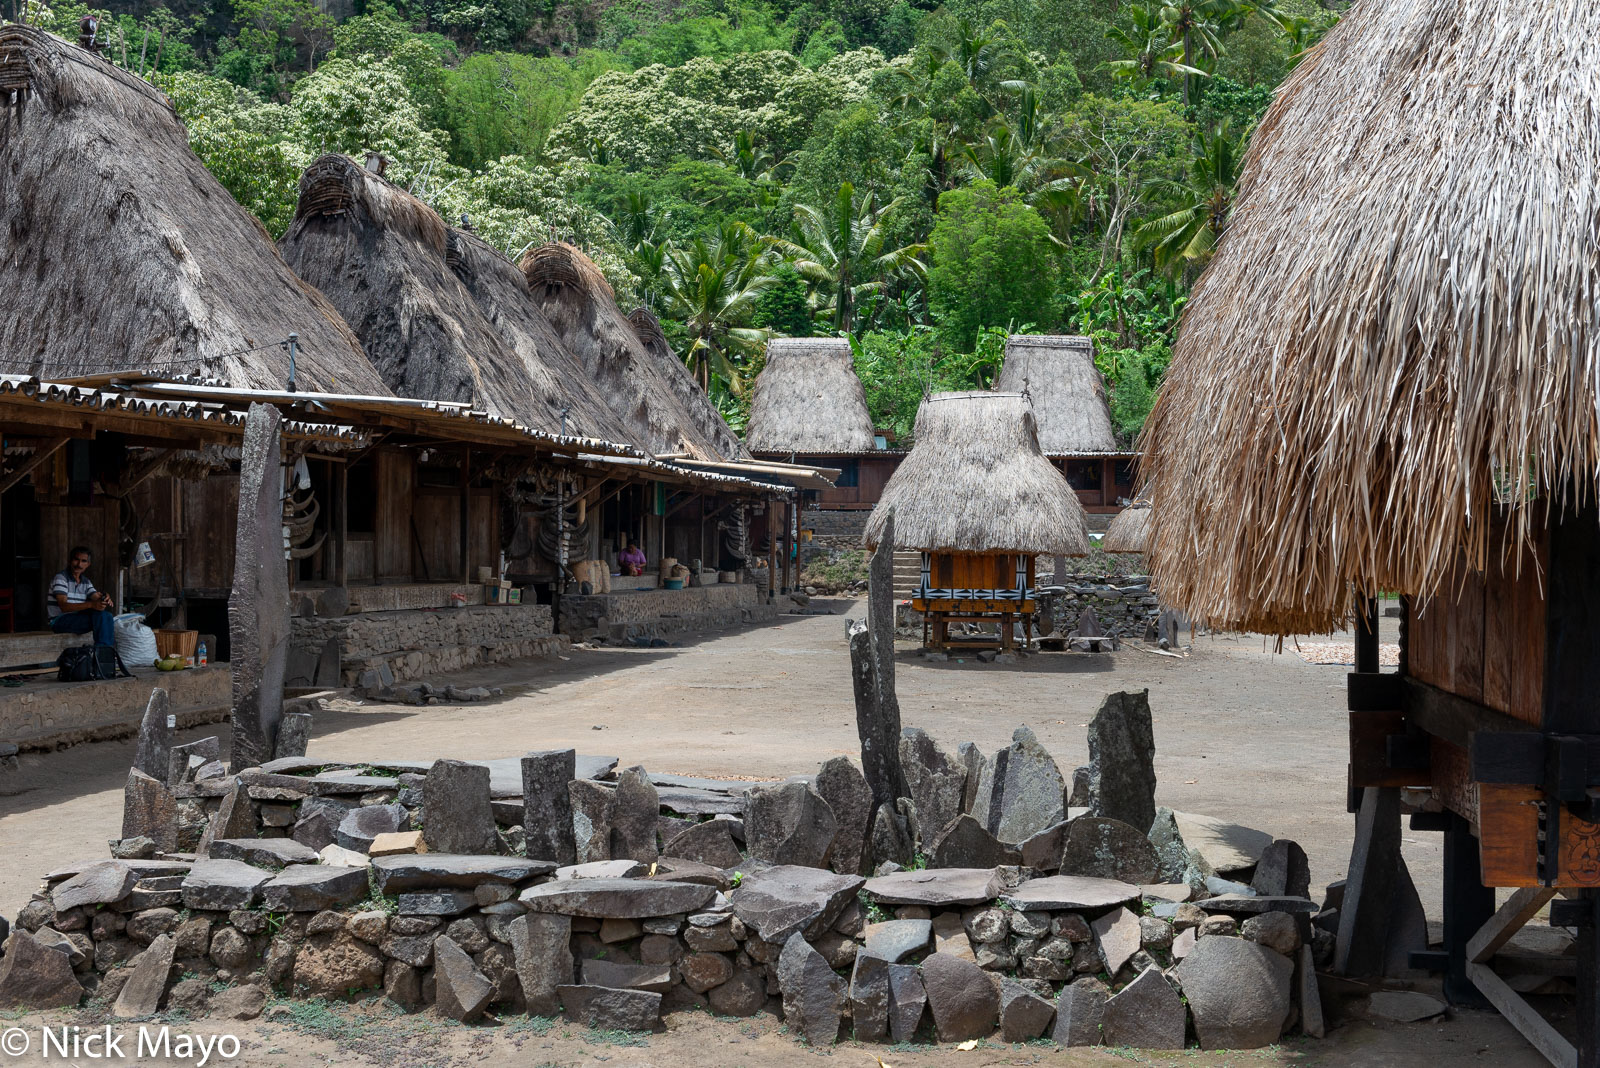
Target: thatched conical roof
x=976 y=482
x=442 y=315
x=1129 y=530
x=123 y=253
x=647 y=387
x=1398 y=329
x=808 y=400
x=1057 y=372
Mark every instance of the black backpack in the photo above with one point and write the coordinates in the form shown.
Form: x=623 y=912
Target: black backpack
x=82 y=663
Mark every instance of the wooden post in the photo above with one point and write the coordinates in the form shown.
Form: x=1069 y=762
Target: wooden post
x=1468 y=905
x=466 y=513
x=342 y=479
x=1367 y=638
x=872 y=670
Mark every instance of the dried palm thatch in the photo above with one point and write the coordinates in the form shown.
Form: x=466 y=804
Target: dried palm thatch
x=1398 y=329
x=125 y=254
x=1058 y=374
x=809 y=400
x=648 y=327
x=976 y=482
x=442 y=315
x=1129 y=529
x=649 y=389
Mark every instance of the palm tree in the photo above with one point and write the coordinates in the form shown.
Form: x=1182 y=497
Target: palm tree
x=1151 y=51
x=711 y=288
x=1187 y=237
x=839 y=249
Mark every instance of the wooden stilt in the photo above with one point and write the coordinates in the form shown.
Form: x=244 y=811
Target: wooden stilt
x=1468 y=906
x=1364 y=918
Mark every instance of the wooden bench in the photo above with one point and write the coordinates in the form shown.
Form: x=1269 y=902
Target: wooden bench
x=35 y=648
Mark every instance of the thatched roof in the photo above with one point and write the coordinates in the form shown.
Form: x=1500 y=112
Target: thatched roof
x=1128 y=530
x=1398 y=329
x=442 y=315
x=977 y=482
x=1057 y=372
x=123 y=252
x=809 y=400
x=647 y=387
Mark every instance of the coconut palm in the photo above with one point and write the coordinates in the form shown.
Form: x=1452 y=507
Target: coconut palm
x=840 y=249
x=711 y=288
x=1151 y=52
x=1187 y=237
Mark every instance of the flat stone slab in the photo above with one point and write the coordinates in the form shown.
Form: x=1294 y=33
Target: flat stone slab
x=313 y=887
x=142 y=869
x=1227 y=847
x=1242 y=905
x=606 y=1009
x=617 y=899
x=895 y=940
x=429 y=871
x=691 y=802
x=603 y=869
x=1404 y=1006
x=1070 y=892
x=788 y=898
x=263 y=852
x=223 y=884
x=97 y=884
x=505 y=773
x=622 y=975
x=736 y=787
x=941 y=887
x=345 y=782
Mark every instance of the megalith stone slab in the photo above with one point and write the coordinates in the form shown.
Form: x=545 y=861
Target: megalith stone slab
x=939 y=887
x=965 y=844
x=430 y=871
x=891 y=839
x=971 y=758
x=937 y=779
x=1146 y=1014
x=1118 y=933
x=547 y=805
x=1021 y=791
x=150 y=811
x=460 y=989
x=1238 y=992
x=592 y=808
x=813 y=995
x=1042 y=852
x=294 y=735
x=258 y=605
x=141 y=994
x=317 y=823
x=617 y=899
x=1079 y=1011
x=1282 y=871
x=1122 y=753
x=961 y=996
x=842 y=785
x=895 y=940
x=312 y=887
x=1069 y=893
x=153 y=751
x=1024 y=1015
x=36 y=976
x=457 y=816
x=869 y=998
x=263 y=852
x=783 y=900
x=605 y=1009
x=788 y=823
x=1106 y=848
x=908 y=1001
x=635 y=809
x=223 y=885
x=361 y=825
x=101 y=883
x=541 y=946
x=710 y=843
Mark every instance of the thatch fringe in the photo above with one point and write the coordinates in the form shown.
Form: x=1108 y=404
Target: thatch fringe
x=977 y=482
x=1129 y=530
x=443 y=315
x=1398 y=332
x=126 y=254
x=809 y=400
x=1057 y=372
x=648 y=327
x=648 y=389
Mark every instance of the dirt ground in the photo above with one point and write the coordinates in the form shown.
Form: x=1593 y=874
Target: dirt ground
x=1241 y=733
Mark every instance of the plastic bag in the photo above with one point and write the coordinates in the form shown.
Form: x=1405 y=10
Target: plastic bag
x=136 y=643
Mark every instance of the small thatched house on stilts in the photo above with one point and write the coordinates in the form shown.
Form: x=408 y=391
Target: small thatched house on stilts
x=1128 y=530
x=1386 y=381
x=980 y=502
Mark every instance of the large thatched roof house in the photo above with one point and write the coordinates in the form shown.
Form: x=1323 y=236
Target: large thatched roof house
x=124 y=253
x=1058 y=374
x=808 y=401
x=648 y=388
x=1386 y=381
x=976 y=481
x=442 y=315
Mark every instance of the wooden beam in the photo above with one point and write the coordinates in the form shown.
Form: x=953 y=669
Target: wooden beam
x=1533 y=1027
x=1453 y=718
x=1510 y=918
x=41 y=453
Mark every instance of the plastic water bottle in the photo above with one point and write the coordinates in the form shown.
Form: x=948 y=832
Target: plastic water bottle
x=202 y=657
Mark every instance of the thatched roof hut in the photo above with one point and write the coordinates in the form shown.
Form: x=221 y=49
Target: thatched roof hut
x=1398 y=330
x=124 y=253
x=809 y=400
x=648 y=388
x=1129 y=529
x=1058 y=374
x=977 y=482
x=442 y=315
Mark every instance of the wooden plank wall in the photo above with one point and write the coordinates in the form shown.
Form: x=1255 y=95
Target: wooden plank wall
x=396 y=478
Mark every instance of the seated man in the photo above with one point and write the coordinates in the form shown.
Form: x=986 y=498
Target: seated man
x=632 y=559
x=76 y=607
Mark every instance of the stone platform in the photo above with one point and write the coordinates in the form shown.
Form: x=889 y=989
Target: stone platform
x=627 y=614
x=44 y=714
x=417 y=643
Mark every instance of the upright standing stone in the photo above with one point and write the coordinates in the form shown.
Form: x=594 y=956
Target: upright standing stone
x=962 y=997
x=541 y=946
x=185 y=761
x=1024 y=1015
x=149 y=811
x=1079 y=1010
x=937 y=780
x=908 y=1001
x=841 y=784
x=1146 y=1014
x=258 y=606
x=1282 y=871
x=141 y=994
x=971 y=758
x=294 y=735
x=1238 y=992
x=36 y=976
x=872 y=671
x=1105 y=848
x=891 y=839
x=236 y=818
x=592 y=806
x=813 y=995
x=1021 y=791
x=1122 y=754
x=788 y=823
x=869 y=998
x=637 y=806
x=155 y=735
x=547 y=805
x=456 y=814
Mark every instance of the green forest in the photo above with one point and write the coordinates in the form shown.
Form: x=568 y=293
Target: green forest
x=924 y=180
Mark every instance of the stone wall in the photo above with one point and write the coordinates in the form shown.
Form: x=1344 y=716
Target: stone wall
x=1125 y=607
x=646 y=614
x=415 y=644
x=47 y=714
